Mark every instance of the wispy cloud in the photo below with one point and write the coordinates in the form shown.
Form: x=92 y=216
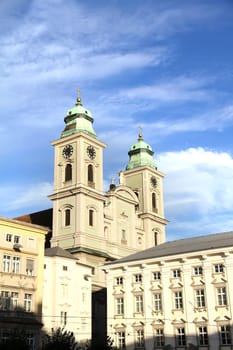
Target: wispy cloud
x=19 y=200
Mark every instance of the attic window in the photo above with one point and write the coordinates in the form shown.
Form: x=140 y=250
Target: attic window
x=86 y=112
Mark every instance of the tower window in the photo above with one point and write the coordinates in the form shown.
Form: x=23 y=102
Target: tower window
x=153 y=198
x=156 y=238
x=67 y=217
x=91 y=217
x=90 y=177
x=68 y=172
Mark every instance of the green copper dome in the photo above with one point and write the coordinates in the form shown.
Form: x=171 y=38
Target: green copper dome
x=78 y=119
x=140 y=154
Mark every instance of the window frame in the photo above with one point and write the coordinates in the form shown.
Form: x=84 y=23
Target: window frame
x=159 y=339
x=120 y=335
x=225 y=334
x=198 y=270
x=138 y=278
x=200 y=300
x=178 y=300
x=221 y=296
x=120 y=305
x=203 y=337
x=157 y=301
x=180 y=336
x=139 y=303
x=27 y=304
x=139 y=339
x=6 y=263
x=156 y=275
x=219 y=268
x=68 y=172
x=176 y=273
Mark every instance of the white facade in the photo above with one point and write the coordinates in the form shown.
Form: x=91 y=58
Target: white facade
x=66 y=294
x=174 y=299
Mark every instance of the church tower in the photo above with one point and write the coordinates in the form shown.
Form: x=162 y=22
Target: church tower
x=78 y=199
x=143 y=177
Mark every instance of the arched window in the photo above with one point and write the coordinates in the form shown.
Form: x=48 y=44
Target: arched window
x=68 y=172
x=90 y=174
x=91 y=217
x=156 y=237
x=67 y=217
x=154 y=208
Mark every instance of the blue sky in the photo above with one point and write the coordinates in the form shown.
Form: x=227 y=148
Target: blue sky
x=164 y=65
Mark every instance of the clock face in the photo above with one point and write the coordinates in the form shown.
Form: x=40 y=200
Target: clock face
x=91 y=152
x=153 y=181
x=67 y=151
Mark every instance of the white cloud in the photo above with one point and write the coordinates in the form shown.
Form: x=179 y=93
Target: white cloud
x=198 y=189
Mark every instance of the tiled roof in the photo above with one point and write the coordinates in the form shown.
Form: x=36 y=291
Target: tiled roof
x=182 y=246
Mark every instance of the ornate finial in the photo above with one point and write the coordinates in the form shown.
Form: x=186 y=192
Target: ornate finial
x=79 y=102
x=140 y=132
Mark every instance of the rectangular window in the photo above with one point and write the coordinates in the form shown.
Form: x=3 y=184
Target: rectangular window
x=120 y=340
x=176 y=273
x=139 y=303
x=225 y=335
x=123 y=235
x=157 y=275
x=16 y=239
x=14 y=300
x=8 y=237
x=180 y=336
x=178 y=299
x=222 y=296
x=200 y=297
x=198 y=270
x=159 y=338
x=119 y=280
x=157 y=302
x=27 y=302
x=16 y=264
x=139 y=338
x=29 y=267
x=120 y=306
x=63 y=318
x=64 y=268
x=203 y=336
x=138 y=278
x=6 y=263
x=218 y=268
x=5 y=300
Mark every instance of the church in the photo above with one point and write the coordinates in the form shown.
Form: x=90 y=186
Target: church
x=95 y=226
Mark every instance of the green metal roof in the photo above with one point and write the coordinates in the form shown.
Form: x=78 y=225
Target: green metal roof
x=140 y=154
x=78 y=119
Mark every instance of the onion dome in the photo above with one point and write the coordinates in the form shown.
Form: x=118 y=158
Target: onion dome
x=140 y=154
x=78 y=119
